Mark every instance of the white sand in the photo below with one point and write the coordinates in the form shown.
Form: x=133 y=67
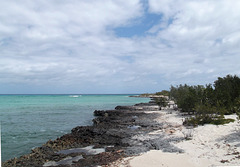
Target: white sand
x=208 y=146
x=160 y=159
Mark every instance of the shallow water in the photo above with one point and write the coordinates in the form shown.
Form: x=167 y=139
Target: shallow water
x=28 y=121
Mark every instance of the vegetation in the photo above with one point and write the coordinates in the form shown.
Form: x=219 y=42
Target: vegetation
x=209 y=103
x=162 y=93
x=146 y=94
x=161 y=101
x=206 y=119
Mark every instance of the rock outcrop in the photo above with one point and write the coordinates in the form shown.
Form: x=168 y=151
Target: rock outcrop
x=116 y=133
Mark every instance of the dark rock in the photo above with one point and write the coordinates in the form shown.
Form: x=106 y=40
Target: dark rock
x=122 y=132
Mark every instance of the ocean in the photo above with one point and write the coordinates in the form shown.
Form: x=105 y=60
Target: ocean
x=28 y=121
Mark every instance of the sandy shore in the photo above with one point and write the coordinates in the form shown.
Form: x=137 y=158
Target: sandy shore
x=205 y=146
x=157 y=137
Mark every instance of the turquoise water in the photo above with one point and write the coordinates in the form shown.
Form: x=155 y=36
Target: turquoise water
x=28 y=121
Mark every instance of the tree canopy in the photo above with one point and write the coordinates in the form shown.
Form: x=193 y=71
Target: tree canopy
x=223 y=97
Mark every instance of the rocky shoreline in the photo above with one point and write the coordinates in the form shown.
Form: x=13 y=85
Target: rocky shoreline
x=115 y=134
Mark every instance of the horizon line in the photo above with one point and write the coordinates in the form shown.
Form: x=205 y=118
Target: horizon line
x=71 y=93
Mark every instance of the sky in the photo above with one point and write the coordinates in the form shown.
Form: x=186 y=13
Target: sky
x=116 y=46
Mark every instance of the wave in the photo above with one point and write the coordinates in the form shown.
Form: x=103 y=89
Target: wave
x=75 y=96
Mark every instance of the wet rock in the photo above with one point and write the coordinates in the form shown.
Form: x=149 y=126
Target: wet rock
x=122 y=132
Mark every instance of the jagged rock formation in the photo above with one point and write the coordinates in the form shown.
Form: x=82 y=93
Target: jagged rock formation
x=116 y=133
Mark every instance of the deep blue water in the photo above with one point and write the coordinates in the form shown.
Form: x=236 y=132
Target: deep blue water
x=28 y=121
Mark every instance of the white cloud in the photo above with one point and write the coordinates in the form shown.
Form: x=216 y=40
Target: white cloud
x=41 y=19
x=73 y=43
x=203 y=29
x=166 y=7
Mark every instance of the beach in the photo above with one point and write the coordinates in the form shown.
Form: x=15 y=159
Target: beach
x=208 y=145
x=139 y=135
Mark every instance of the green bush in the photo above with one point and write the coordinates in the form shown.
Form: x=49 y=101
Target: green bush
x=163 y=92
x=161 y=101
x=208 y=109
x=222 y=121
x=206 y=119
x=209 y=103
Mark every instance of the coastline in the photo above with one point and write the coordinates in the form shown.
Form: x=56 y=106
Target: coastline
x=208 y=145
x=117 y=138
x=111 y=131
x=28 y=121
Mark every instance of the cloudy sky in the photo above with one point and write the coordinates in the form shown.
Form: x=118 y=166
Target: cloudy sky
x=116 y=46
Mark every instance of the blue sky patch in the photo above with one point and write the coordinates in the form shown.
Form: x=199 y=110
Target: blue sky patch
x=140 y=27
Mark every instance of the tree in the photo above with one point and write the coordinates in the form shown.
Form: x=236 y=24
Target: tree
x=163 y=92
x=187 y=97
x=161 y=101
x=209 y=103
x=227 y=89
